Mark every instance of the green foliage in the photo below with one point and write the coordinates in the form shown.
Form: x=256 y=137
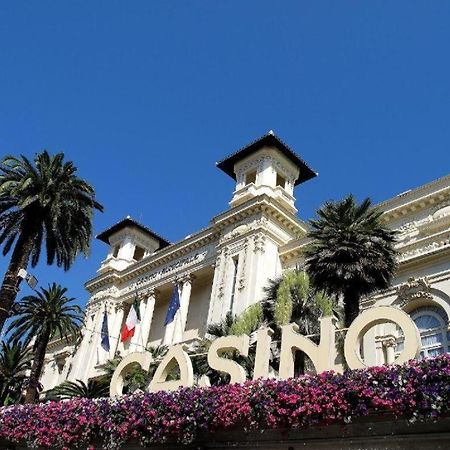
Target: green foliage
x=221 y=328
x=352 y=254
x=325 y=304
x=47 y=199
x=249 y=321
x=15 y=360
x=70 y=389
x=43 y=316
x=136 y=377
x=47 y=311
x=291 y=298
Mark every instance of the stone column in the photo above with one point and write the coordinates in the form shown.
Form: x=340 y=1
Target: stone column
x=148 y=315
x=136 y=344
x=146 y=307
x=173 y=327
x=184 y=301
x=104 y=355
x=389 y=343
x=114 y=332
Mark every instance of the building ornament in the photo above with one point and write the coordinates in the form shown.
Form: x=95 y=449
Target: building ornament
x=241 y=281
x=112 y=291
x=413 y=289
x=418 y=250
x=259 y=242
x=186 y=278
x=168 y=269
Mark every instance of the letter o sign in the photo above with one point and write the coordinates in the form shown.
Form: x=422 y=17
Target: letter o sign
x=374 y=316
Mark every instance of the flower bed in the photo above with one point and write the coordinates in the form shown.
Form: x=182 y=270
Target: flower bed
x=419 y=390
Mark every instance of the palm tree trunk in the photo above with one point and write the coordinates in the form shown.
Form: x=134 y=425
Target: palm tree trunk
x=36 y=369
x=11 y=281
x=351 y=307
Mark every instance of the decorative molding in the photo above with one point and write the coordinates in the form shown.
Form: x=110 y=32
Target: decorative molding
x=259 y=242
x=111 y=292
x=241 y=280
x=413 y=289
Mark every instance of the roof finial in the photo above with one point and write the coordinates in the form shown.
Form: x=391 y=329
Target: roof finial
x=271 y=132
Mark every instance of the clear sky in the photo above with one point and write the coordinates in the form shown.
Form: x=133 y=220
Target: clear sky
x=145 y=97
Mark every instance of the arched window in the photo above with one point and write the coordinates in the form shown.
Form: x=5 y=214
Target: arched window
x=432 y=323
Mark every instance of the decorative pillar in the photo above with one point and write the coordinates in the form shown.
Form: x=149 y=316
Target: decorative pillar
x=146 y=307
x=114 y=332
x=172 y=329
x=389 y=343
x=104 y=355
x=185 y=300
x=148 y=315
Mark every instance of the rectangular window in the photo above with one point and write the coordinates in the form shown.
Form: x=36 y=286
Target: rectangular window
x=115 y=251
x=281 y=181
x=233 y=284
x=138 y=253
x=250 y=177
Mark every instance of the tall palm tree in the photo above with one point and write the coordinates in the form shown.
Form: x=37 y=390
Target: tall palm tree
x=15 y=360
x=70 y=389
x=41 y=202
x=291 y=299
x=42 y=317
x=352 y=254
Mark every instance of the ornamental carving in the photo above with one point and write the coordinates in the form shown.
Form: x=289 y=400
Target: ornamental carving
x=407 y=228
x=242 y=277
x=413 y=289
x=259 y=243
x=112 y=291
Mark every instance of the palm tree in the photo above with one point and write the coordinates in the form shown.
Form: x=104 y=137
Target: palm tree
x=41 y=202
x=352 y=253
x=222 y=328
x=291 y=299
x=246 y=323
x=136 y=378
x=70 y=389
x=42 y=317
x=15 y=360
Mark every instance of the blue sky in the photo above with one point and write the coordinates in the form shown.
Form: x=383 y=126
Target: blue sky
x=146 y=96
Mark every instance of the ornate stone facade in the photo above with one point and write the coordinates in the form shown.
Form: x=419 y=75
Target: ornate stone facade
x=226 y=266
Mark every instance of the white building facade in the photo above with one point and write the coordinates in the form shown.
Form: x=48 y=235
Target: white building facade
x=226 y=266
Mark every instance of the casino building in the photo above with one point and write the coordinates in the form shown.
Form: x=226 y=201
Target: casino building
x=225 y=266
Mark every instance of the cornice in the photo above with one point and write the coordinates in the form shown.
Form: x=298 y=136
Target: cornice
x=416 y=199
x=60 y=342
x=168 y=254
x=427 y=244
x=409 y=251
x=294 y=249
x=393 y=290
x=262 y=203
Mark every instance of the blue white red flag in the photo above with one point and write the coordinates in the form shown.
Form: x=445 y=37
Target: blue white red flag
x=174 y=306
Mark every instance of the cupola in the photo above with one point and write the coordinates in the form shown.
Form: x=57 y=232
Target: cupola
x=129 y=242
x=266 y=166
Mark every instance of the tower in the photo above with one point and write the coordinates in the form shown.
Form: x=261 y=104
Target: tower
x=261 y=219
x=266 y=166
x=129 y=242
